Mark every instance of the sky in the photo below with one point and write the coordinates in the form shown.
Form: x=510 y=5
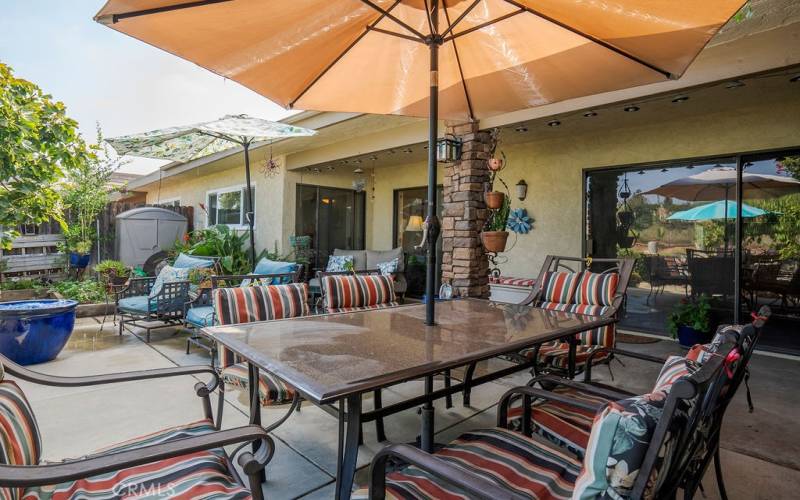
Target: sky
x=109 y=78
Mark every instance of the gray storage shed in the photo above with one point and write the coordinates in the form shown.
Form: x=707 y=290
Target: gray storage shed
x=141 y=232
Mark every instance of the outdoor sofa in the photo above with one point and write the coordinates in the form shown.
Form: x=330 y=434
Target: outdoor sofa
x=370 y=260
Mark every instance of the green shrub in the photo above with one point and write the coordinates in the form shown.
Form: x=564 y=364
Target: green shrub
x=21 y=284
x=85 y=292
x=114 y=267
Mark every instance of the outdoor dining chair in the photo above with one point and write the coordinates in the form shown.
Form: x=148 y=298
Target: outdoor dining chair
x=571 y=427
x=563 y=286
x=188 y=461
x=502 y=463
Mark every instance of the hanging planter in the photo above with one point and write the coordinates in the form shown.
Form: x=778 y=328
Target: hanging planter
x=495 y=164
x=494 y=241
x=494 y=199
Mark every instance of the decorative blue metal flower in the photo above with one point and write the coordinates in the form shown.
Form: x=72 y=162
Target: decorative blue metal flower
x=519 y=222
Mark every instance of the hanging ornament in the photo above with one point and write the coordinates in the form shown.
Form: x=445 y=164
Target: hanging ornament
x=519 y=221
x=270 y=167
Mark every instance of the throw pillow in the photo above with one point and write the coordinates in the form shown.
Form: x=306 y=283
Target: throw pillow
x=389 y=267
x=267 y=266
x=188 y=262
x=168 y=274
x=339 y=263
x=674 y=368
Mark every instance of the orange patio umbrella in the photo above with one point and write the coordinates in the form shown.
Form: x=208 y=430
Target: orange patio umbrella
x=454 y=59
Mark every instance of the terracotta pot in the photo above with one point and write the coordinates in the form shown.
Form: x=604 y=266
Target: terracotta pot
x=495 y=164
x=494 y=241
x=494 y=199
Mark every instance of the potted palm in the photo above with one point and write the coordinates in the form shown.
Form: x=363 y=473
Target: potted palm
x=494 y=235
x=690 y=321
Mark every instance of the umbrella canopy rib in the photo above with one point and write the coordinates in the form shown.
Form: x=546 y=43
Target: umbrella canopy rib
x=458 y=58
x=115 y=18
x=594 y=39
x=395 y=19
x=484 y=25
x=451 y=25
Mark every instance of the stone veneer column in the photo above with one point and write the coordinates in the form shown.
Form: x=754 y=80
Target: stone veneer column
x=464 y=262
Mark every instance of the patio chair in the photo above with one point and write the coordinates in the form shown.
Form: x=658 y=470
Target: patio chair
x=571 y=427
x=159 y=299
x=348 y=292
x=200 y=310
x=257 y=303
x=188 y=461
x=662 y=271
x=710 y=272
x=560 y=287
x=501 y=463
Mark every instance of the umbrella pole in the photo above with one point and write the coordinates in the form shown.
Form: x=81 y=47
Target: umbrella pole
x=432 y=222
x=248 y=199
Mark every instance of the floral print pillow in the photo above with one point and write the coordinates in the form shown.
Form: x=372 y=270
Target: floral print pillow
x=339 y=263
x=168 y=274
x=389 y=267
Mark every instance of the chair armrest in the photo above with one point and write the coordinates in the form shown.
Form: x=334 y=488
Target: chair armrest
x=474 y=485
x=111 y=378
x=587 y=374
x=581 y=386
x=529 y=392
x=41 y=475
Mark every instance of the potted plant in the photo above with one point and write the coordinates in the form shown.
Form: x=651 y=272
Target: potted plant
x=494 y=235
x=494 y=199
x=113 y=272
x=690 y=321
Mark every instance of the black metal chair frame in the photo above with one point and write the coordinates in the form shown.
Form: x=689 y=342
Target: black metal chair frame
x=205 y=298
x=252 y=462
x=167 y=307
x=662 y=271
x=704 y=385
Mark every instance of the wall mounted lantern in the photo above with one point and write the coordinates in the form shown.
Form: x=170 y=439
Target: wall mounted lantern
x=522 y=189
x=448 y=149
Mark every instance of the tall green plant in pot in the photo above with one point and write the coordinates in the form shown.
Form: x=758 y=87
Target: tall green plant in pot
x=494 y=235
x=690 y=321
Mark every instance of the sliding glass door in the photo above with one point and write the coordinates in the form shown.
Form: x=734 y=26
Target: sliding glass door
x=682 y=223
x=332 y=217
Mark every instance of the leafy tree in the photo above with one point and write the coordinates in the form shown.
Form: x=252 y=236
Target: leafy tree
x=38 y=143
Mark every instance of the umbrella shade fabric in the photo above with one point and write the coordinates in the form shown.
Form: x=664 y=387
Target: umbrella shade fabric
x=189 y=142
x=716 y=210
x=495 y=56
x=719 y=183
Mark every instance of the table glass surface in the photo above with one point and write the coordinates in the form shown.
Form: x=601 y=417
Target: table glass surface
x=330 y=356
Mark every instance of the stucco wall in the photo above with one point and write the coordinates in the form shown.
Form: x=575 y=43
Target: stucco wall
x=552 y=164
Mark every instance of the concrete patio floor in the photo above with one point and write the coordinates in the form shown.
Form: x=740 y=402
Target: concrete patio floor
x=761 y=450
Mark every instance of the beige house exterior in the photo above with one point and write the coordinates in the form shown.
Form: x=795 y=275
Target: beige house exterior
x=719 y=118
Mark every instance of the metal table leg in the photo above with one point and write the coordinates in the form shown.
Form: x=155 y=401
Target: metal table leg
x=427 y=410
x=349 y=413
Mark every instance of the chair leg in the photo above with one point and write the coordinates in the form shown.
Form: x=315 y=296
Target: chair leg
x=468 y=384
x=718 y=472
x=448 y=399
x=379 y=429
x=188 y=344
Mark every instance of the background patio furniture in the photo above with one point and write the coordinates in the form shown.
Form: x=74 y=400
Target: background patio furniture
x=582 y=292
x=710 y=272
x=509 y=290
x=359 y=291
x=200 y=310
x=773 y=280
x=334 y=359
x=188 y=460
x=662 y=271
x=366 y=262
x=509 y=464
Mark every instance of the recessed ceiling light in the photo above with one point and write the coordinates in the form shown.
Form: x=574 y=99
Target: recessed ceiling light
x=590 y=114
x=357 y=161
x=795 y=79
x=373 y=157
x=408 y=151
x=330 y=168
x=631 y=109
x=392 y=151
x=553 y=123
x=641 y=172
x=734 y=84
x=358 y=170
x=664 y=170
x=681 y=98
x=521 y=128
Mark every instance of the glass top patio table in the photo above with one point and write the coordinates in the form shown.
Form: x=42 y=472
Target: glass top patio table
x=328 y=357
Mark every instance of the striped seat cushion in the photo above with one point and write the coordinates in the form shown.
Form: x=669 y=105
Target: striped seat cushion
x=20 y=441
x=559 y=286
x=363 y=308
x=202 y=474
x=556 y=355
x=345 y=291
x=528 y=467
x=604 y=335
x=271 y=389
x=260 y=303
x=505 y=280
x=597 y=289
x=559 y=423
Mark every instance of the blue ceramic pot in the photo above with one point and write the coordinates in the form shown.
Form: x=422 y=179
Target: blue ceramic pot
x=78 y=260
x=35 y=331
x=688 y=336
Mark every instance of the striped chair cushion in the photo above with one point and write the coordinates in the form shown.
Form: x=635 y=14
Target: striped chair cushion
x=344 y=291
x=363 y=308
x=556 y=355
x=597 y=289
x=202 y=474
x=561 y=424
x=528 y=467
x=271 y=389
x=604 y=335
x=260 y=303
x=20 y=441
x=559 y=287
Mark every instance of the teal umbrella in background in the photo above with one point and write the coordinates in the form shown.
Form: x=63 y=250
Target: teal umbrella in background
x=717 y=210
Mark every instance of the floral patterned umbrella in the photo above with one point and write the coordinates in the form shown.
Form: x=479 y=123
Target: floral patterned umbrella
x=202 y=139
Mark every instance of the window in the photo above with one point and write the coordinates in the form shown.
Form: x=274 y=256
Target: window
x=410 y=209
x=227 y=206
x=172 y=202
